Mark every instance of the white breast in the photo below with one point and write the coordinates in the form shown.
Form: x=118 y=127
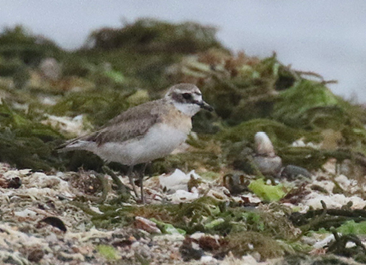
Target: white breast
x=158 y=142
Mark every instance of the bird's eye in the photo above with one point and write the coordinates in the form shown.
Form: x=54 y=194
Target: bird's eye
x=187 y=96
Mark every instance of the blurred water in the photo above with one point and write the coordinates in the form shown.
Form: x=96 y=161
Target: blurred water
x=327 y=37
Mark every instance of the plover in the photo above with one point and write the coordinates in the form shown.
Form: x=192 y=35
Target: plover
x=146 y=132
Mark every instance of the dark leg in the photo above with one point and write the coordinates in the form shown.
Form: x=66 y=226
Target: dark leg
x=120 y=186
x=130 y=177
x=104 y=183
x=149 y=168
x=142 y=174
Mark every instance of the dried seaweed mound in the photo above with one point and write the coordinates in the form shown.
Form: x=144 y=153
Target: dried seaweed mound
x=25 y=142
x=149 y=35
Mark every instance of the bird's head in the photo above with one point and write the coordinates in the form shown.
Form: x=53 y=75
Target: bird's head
x=187 y=98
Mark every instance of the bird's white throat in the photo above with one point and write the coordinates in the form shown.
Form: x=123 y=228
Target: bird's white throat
x=187 y=109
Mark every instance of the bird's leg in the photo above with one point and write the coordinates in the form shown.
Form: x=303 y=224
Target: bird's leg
x=149 y=168
x=142 y=174
x=130 y=177
x=120 y=186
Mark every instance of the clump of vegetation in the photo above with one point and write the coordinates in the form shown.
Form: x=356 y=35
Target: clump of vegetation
x=149 y=35
x=345 y=219
x=143 y=50
x=244 y=243
x=202 y=215
x=25 y=142
x=297 y=105
x=239 y=87
x=18 y=44
x=108 y=252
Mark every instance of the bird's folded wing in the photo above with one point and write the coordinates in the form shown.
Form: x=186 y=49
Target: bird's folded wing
x=134 y=122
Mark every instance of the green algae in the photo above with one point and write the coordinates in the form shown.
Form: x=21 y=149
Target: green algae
x=108 y=252
x=295 y=104
x=351 y=227
x=280 y=134
x=204 y=215
x=99 y=105
x=168 y=228
x=306 y=157
x=267 y=192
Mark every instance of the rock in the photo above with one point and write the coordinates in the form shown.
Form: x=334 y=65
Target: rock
x=176 y=181
x=291 y=172
x=50 y=69
x=265 y=158
x=147 y=225
x=190 y=250
x=263 y=145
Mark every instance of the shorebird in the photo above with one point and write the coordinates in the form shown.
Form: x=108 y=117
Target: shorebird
x=145 y=132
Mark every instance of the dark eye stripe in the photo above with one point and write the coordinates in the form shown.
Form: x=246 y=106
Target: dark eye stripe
x=187 y=96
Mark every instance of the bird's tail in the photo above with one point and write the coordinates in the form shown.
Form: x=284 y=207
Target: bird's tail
x=75 y=144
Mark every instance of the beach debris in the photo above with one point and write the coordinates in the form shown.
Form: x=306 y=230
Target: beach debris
x=236 y=183
x=55 y=222
x=147 y=225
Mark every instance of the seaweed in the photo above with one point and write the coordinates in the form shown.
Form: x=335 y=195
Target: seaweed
x=280 y=134
x=26 y=142
x=351 y=227
x=99 y=105
x=239 y=87
x=18 y=44
x=150 y=35
x=144 y=49
x=266 y=192
x=303 y=103
x=326 y=218
x=338 y=247
x=204 y=215
x=108 y=252
x=247 y=242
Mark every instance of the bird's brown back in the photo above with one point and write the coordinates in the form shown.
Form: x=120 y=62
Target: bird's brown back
x=132 y=123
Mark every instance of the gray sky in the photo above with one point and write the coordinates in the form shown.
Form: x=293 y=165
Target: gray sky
x=327 y=36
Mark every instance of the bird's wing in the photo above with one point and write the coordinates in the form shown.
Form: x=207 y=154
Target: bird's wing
x=134 y=122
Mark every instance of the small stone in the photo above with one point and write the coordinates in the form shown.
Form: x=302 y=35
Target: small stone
x=265 y=158
x=50 y=69
x=147 y=225
x=36 y=255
